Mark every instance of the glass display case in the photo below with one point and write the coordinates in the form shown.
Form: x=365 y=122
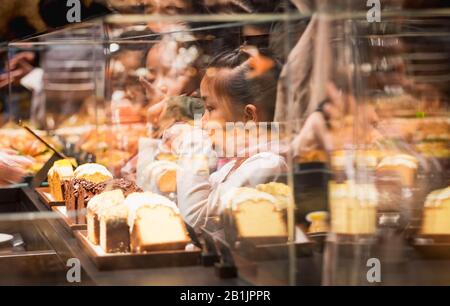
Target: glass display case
x=299 y=147
x=169 y=118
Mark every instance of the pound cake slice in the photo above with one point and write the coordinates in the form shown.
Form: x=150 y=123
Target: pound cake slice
x=114 y=229
x=155 y=223
x=97 y=206
x=255 y=215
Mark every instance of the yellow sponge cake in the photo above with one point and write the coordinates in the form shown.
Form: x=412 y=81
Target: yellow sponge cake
x=353 y=208
x=98 y=205
x=280 y=191
x=256 y=214
x=161 y=177
x=62 y=170
x=402 y=166
x=436 y=219
x=155 y=223
x=94 y=173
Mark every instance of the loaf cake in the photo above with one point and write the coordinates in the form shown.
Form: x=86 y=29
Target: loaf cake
x=75 y=193
x=85 y=183
x=155 y=223
x=161 y=177
x=61 y=171
x=281 y=192
x=254 y=215
x=114 y=229
x=125 y=186
x=96 y=206
x=353 y=208
x=402 y=166
x=94 y=173
x=436 y=219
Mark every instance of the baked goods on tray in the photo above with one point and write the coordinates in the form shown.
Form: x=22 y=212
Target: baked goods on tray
x=436 y=218
x=89 y=180
x=281 y=192
x=82 y=187
x=26 y=144
x=353 y=208
x=95 y=208
x=402 y=166
x=114 y=229
x=141 y=222
x=60 y=172
x=254 y=215
x=155 y=223
x=161 y=177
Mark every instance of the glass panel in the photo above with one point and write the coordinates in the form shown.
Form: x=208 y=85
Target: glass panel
x=285 y=148
x=380 y=92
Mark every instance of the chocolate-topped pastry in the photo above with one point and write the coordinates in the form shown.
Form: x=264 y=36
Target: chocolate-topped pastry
x=82 y=187
x=81 y=191
x=70 y=198
x=86 y=191
x=125 y=185
x=77 y=192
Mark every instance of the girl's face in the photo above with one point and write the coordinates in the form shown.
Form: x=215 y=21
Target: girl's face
x=218 y=109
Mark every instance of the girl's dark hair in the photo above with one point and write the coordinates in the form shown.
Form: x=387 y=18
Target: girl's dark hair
x=244 y=83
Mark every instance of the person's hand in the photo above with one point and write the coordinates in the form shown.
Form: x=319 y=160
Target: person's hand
x=12 y=167
x=154 y=115
x=153 y=93
x=338 y=125
x=174 y=136
x=18 y=67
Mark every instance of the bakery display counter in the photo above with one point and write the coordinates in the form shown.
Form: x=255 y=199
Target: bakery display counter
x=45 y=243
x=27 y=257
x=401 y=264
x=265 y=263
x=42 y=243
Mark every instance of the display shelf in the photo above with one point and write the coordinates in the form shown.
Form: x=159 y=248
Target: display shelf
x=62 y=245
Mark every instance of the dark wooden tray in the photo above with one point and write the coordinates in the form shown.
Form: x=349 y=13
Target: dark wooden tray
x=319 y=240
x=263 y=252
x=47 y=198
x=117 y=261
x=433 y=246
x=69 y=222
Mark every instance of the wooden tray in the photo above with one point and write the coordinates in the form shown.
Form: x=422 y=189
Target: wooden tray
x=433 y=246
x=61 y=210
x=117 y=261
x=46 y=197
x=274 y=251
x=319 y=239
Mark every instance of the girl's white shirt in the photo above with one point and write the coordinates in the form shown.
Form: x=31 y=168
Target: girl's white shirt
x=199 y=193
